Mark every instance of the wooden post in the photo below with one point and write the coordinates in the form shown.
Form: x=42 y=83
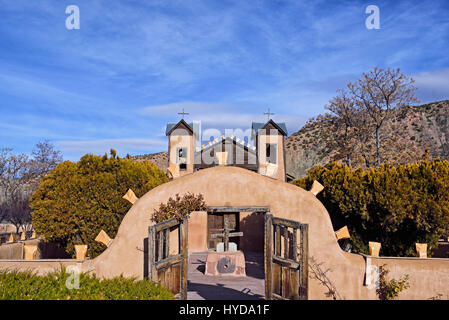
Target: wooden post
x=160 y=236
x=304 y=264
x=185 y=256
x=277 y=249
x=295 y=245
x=268 y=251
x=151 y=253
x=167 y=242
x=285 y=242
x=226 y=234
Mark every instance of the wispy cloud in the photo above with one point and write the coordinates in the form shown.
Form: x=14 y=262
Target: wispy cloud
x=225 y=62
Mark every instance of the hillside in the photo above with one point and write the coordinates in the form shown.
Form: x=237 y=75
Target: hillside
x=423 y=126
x=160 y=159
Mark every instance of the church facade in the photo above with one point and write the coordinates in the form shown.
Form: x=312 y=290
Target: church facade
x=265 y=156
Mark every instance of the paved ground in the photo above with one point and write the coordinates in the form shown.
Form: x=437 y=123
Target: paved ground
x=202 y=287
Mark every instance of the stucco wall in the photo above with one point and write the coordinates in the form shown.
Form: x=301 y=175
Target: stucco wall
x=232 y=186
x=280 y=157
x=181 y=141
x=40 y=267
x=11 y=250
x=197 y=237
x=428 y=277
x=45 y=250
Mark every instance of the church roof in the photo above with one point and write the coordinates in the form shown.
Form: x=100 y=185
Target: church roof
x=256 y=126
x=240 y=143
x=195 y=126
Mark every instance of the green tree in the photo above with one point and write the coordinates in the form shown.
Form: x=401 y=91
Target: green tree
x=397 y=206
x=76 y=200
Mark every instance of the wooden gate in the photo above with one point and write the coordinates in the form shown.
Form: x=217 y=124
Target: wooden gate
x=169 y=267
x=286 y=264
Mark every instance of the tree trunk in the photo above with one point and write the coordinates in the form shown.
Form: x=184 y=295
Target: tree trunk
x=367 y=164
x=378 y=146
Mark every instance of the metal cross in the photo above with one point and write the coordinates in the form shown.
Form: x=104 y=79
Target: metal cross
x=268 y=113
x=226 y=234
x=183 y=113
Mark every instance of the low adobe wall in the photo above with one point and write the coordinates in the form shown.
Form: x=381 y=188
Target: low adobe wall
x=429 y=278
x=41 y=266
x=45 y=250
x=11 y=251
x=236 y=187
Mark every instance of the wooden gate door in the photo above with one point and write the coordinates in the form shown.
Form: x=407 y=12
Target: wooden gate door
x=286 y=264
x=167 y=267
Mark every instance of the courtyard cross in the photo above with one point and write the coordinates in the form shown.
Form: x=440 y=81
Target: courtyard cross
x=269 y=114
x=226 y=234
x=183 y=113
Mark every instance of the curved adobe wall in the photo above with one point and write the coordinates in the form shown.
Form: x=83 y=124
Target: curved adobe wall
x=231 y=186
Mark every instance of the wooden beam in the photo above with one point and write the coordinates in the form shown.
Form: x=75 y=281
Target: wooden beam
x=286 y=262
x=160 y=236
x=166 y=224
x=285 y=243
x=278 y=297
x=167 y=243
x=294 y=245
x=226 y=233
x=268 y=252
x=304 y=269
x=185 y=255
x=231 y=235
x=151 y=253
x=287 y=223
x=277 y=239
x=161 y=264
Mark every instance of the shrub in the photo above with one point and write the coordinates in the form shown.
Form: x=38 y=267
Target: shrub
x=16 y=285
x=390 y=289
x=76 y=200
x=396 y=206
x=179 y=207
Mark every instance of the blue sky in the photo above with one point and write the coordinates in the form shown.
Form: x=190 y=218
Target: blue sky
x=132 y=65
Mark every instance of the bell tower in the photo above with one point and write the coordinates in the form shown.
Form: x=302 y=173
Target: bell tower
x=270 y=149
x=180 y=148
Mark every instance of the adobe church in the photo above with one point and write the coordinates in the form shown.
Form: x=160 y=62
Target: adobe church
x=265 y=156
